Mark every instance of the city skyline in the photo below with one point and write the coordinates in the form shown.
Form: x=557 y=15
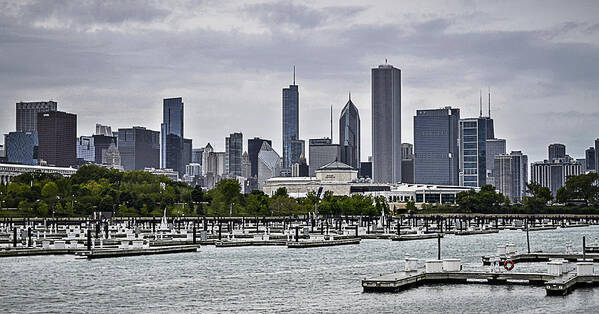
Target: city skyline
x=110 y=86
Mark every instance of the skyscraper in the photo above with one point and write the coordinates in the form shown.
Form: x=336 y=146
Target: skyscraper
x=590 y=158
x=553 y=174
x=187 y=151
x=436 y=148
x=21 y=147
x=196 y=155
x=290 y=122
x=269 y=164
x=556 y=151
x=254 y=146
x=57 y=135
x=473 y=152
x=139 y=148
x=349 y=135
x=27 y=114
x=322 y=152
x=597 y=155
x=103 y=130
x=495 y=146
x=511 y=175
x=386 y=124
x=172 y=135
x=407 y=163
x=233 y=154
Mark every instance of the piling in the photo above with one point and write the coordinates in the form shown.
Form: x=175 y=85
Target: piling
x=89 y=239
x=29 y=236
x=438 y=246
x=584 y=248
x=527 y=238
x=296 y=233
x=194 y=233
x=14 y=236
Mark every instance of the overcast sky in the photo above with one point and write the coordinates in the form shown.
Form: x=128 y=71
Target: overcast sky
x=113 y=63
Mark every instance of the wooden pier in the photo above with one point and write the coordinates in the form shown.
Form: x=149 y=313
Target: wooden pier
x=554 y=285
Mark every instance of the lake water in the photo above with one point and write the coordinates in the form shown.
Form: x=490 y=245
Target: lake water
x=279 y=280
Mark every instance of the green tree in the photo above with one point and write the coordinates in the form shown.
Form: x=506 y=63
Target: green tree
x=50 y=191
x=411 y=206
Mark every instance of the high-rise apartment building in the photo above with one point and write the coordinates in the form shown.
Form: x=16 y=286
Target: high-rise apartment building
x=27 y=114
x=511 y=175
x=349 y=135
x=57 y=135
x=290 y=122
x=556 y=151
x=254 y=146
x=386 y=124
x=436 y=148
x=139 y=148
x=553 y=174
x=473 y=152
x=171 y=140
x=233 y=154
x=597 y=155
x=322 y=152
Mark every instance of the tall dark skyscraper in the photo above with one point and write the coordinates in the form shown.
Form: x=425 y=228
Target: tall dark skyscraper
x=254 y=146
x=436 y=147
x=102 y=143
x=597 y=155
x=27 y=114
x=233 y=154
x=556 y=151
x=57 y=135
x=590 y=158
x=187 y=151
x=172 y=135
x=349 y=135
x=290 y=122
x=139 y=148
x=386 y=124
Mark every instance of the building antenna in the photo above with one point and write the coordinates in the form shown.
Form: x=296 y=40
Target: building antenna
x=489 y=102
x=480 y=93
x=331 y=123
x=294 y=75
x=349 y=95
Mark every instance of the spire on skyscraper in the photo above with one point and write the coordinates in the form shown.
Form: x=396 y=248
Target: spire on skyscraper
x=489 y=102
x=481 y=102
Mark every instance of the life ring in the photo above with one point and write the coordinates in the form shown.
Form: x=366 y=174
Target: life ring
x=508 y=264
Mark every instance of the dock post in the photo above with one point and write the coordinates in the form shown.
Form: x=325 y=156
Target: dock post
x=89 y=239
x=296 y=233
x=14 y=236
x=527 y=238
x=584 y=248
x=106 y=230
x=28 y=236
x=194 y=233
x=438 y=246
x=220 y=227
x=356 y=231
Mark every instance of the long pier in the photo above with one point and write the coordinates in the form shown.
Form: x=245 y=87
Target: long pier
x=542 y=257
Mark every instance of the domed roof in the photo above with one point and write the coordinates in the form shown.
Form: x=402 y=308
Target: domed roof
x=336 y=165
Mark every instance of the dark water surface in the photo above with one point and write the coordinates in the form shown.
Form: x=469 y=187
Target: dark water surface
x=277 y=279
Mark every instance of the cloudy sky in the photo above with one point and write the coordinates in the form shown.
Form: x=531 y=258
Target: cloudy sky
x=114 y=62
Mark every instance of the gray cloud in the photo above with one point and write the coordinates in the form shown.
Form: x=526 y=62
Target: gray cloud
x=231 y=78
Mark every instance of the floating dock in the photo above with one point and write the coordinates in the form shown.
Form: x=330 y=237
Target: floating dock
x=411 y=237
x=249 y=243
x=554 y=285
x=308 y=244
x=542 y=257
x=106 y=253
